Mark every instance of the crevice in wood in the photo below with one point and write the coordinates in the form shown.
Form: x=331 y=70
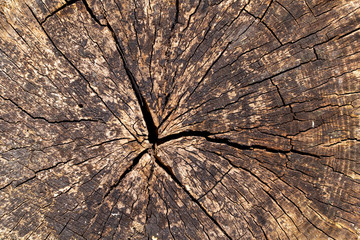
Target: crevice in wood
x=110 y=141
x=50 y=121
x=283 y=101
x=349 y=33
x=207 y=135
x=183 y=134
x=170 y=172
x=81 y=74
x=301 y=212
x=216 y=183
x=176 y=19
x=288 y=12
x=25 y=181
x=261 y=20
x=135 y=161
x=148 y=190
x=68 y=3
x=6 y=185
x=151 y=127
x=89 y=10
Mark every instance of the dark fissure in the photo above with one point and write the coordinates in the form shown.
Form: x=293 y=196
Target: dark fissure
x=153 y=134
x=145 y=110
x=150 y=125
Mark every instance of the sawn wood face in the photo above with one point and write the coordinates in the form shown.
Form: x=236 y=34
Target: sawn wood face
x=233 y=119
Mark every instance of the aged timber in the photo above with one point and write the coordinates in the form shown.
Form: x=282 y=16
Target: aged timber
x=204 y=119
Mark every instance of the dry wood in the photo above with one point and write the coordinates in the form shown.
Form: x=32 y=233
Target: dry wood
x=202 y=119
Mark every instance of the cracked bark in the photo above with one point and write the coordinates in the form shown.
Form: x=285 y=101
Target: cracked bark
x=179 y=120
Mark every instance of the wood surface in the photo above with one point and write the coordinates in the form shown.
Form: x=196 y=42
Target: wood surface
x=170 y=119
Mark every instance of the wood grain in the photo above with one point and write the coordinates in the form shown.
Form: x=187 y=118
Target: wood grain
x=202 y=119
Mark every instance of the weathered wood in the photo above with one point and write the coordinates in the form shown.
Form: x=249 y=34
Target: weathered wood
x=231 y=119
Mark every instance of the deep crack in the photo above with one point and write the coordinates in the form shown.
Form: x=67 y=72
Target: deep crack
x=171 y=173
x=135 y=161
x=145 y=110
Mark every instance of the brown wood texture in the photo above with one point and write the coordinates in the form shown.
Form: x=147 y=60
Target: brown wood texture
x=170 y=119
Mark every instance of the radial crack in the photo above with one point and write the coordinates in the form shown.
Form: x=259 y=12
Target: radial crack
x=176 y=19
x=151 y=127
x=50 y=121
x=81 y=74
x=68 y=3
x=171 y=173
x=135 y=161
x=207 y=135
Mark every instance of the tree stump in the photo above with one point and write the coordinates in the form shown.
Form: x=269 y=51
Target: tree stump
x=202 y=119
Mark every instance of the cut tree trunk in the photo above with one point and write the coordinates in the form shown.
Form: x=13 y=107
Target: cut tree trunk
x=203 y=119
